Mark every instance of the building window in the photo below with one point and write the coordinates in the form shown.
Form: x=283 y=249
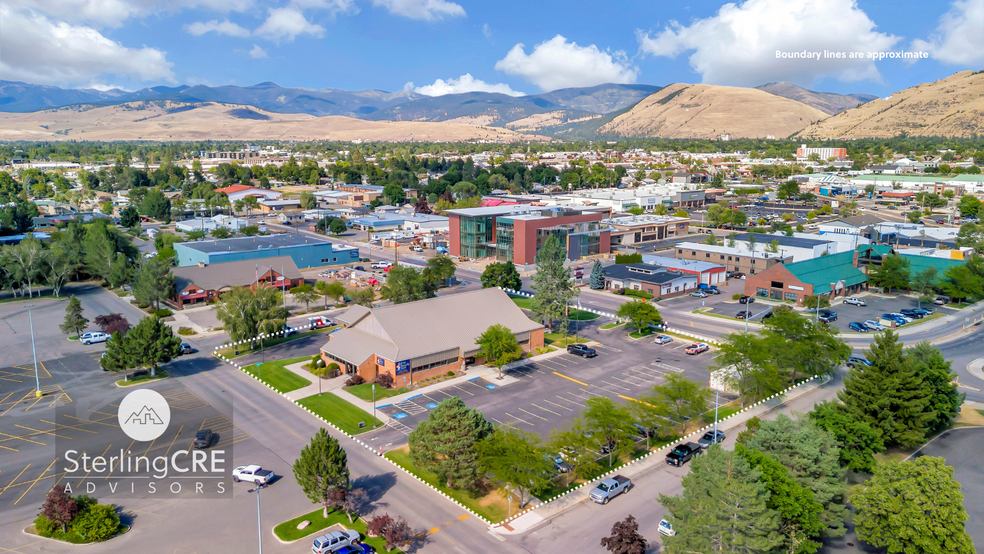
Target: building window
x=776 y=285
x=680 y=251
x=790 y=297
x=761 y=292
x=722 y=256
x=707 y=255
x=751 y=271
x=753 y=261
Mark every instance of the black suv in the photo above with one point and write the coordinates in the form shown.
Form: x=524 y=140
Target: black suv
x=203 y=438
x=682 y=453
x=914 y=314
x=827 y=316
x=581 y=350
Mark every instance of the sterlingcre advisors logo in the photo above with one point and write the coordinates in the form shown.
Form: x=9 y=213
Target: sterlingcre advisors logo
x=153 y=455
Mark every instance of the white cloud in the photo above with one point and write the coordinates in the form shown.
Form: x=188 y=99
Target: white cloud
x=487 y=31
x=113 y=13
x=465 y=83
x=287 y=23
x=334 y=6
x=39 y=50
x=738 y=45
x=257 y=52
x=427 y=10
x=226 y=27
x=960 y=35
x=557 y=63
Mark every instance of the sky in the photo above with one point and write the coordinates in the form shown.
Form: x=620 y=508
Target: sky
x=514 y=47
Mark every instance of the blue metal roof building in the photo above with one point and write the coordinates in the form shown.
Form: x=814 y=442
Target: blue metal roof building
x=305 y=251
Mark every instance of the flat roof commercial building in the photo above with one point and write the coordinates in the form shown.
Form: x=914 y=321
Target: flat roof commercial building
x=422 y=339
x=707 y=273
x=739 y=258
x=636 y=229
x=517 y=232
x=793 y=281
x=305 y=251
x=657 y=281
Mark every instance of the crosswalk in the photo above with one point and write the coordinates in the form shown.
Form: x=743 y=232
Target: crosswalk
x=395 y=424
x=410 y=407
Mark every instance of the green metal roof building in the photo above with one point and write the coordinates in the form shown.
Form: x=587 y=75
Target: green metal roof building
x=792 y=282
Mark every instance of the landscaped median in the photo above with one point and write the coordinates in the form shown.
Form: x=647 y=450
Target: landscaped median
x=364 y=392
x=275 y=374
x=142 y=377
x=288 y=531
x=340 y=413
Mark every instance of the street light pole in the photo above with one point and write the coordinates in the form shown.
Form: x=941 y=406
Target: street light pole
x=374 y=405
x=259 y=529
x=34 y=350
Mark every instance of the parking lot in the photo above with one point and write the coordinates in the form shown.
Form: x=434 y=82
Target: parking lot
x=876 y=306
x=549 y=393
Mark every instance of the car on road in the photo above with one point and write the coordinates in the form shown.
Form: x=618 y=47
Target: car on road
x=320 y=321
x=186 y=348
x=827 y=316
x=666 y=529
x=744 y=299
x=332 y=542
x=381 y=265
x=582 y=350
x=662 y=339
x=699 y=294
x=855 y=301
x=203 y=439
x=857 y=361
x=610 y=488
x=873 y=325
x=93 y=337
x=683 y=453
x=941 y=301
x=710 y=438
x=697 y=348
x=253 y=474
x=744 y=314
x=859 y=327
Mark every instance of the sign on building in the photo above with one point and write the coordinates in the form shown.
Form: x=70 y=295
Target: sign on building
x=403 y=367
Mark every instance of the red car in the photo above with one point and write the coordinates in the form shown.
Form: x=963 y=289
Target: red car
x=697 y=348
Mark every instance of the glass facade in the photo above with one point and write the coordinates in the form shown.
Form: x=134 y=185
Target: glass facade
x=504 y=239
x=477 y=235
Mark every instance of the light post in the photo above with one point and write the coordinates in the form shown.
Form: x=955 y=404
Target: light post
x=259 y=530
x=34 y=351
x=374 y=405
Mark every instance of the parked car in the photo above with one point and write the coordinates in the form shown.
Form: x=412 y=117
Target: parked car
x=581 y=350
x=666 y=529
x=93 y=337
x=699 y=294
x=902 y=316
x=744 y=299
x=332 y=542
x=662 y=339
x=855 y=301
x=357 y=548
x=710 y=438
x=203 y=439
x=873 y=325
x=253 y=474
x=683 y=453
x=912 y=314
x=560 y=464
x=712 y=290
x=381 y=265
x=941 y=301
x=859 y=327
x=827 y=316
x=610 y=488
x=186 y=348
x=697 y=348
x=897 y=319
x=744 y=314
x=857 y=361
x=288 y=330
x=359 y=268
x=416 y=248
x=644 y=431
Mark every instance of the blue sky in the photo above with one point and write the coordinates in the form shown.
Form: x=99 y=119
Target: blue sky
x=509 y=46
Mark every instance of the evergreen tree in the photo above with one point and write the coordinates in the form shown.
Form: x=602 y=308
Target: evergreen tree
x=723 y=508
x=116 y=358
x=553 y=284
x=445 y=442
x=798 y=511
x=914 y=507
x=120 y=271
x=597 y=279
x=813 y=460
x=889 y=395
x=150 y=343
x=154 y=283
x=99 y=248
x=321 y=469
x=857 y=440
x=129 y=217
x=74 y=321
x=938 y=382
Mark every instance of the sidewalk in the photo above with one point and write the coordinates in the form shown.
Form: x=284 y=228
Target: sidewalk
x=650 y=463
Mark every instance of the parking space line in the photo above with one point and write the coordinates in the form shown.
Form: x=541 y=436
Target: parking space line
x=578 y=396
x=518 y=419
x=6 y=397
x=496 y=420
x=168 y=451
x=35 y=482
x=473 y=383
x=23 y=439
x=594 y=393
x=614 y=385
x=127 y=451
x=532 y=414
x=60 y=426
x=545 y=410
x=464 y=391
x=578 y=404
x=84 y=477
x=571 y=379
x=444 y=393
x=14 y=479
x=623 y=380
x=555 y=404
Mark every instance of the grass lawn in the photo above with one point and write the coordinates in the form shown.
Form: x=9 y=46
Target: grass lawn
x=345 y=416
x=277 y=376
x=268 y=343
x=723 y=412
x=612 y=325
x=892 y=454
x=142 y=377
x=364 y=391
x=557 y=339
x=287 y=531
x=522 y=301
x=647 y=333
x=575 y=315
x=46 y=294
x=492 y=507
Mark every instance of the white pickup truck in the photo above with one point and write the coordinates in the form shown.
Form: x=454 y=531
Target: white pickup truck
x=253 y=474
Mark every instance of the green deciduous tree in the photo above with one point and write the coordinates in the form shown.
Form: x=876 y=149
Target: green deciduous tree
x=938 y=382
x=514 y=458
x=640 y=314
x=120 y=272
x=322 y=468
x=553 y=284
x=98 y=522
x=625 y=538
x=610 y=424
x=129 y=217
x=684 y=399
x=502 y=274
x=304 y=293
x=440 y=269
x=243 y=310
x=893 y=273
x=308 y=200
x=337 y=226
x=961 y=282
x=813 y=459
x=405 y=284
x=889 y=395
x=445 y=443
x=74 y=321
x=858 y=441
x=913 y=507
x=334 y=290
x=723 y=508
x=499 y=346
x=154 y=282
x=580 y=450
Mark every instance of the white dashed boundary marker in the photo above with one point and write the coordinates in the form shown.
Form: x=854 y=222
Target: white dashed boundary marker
x=589 y=310
x=215 y=352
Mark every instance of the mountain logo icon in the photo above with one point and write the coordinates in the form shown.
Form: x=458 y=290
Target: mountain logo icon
x=144 y=415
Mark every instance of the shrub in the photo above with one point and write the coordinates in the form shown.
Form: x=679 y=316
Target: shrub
x=185 y=331
x=98 y=523
x=384 y=380
x=333 y=367
x=355 y=380
x=736 y=296
x=637 y=293
x=162 y=313
x=378 y=524
x=45 y=527
x=450 y=374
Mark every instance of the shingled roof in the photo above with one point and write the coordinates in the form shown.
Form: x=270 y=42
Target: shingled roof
x=233 y=274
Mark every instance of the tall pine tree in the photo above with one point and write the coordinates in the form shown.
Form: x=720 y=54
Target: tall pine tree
x=74 y=321
x=445 y=442
x=321 y=469
x=150 y=344
x=552 y=281
x=597 y=280
x=889 y=394
x=938 y=379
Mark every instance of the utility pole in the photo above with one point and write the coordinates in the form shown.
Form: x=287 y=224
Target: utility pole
x=34 y=350
x=259 y=530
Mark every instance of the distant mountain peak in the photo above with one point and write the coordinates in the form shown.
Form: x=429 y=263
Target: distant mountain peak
x=827 y=102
